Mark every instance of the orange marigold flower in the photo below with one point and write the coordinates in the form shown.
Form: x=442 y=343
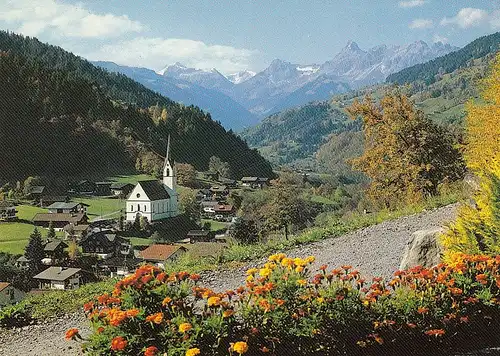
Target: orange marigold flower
x=195 y=277
x=302 y=282
x=132 y=313
x=88 y=306
x=151 y=351
x=118 y=343
x=227 y=313
x=346 y=267
x=185 y=327
x=100 y=329
x=240 y=347
x=323 y=267
x=193 y=352
x=155 y=318
x=435 y=332
x=422 y=310
x=161 y=277
x=213 y=301
x=182 y=275
x=482 y=278
x=71 y=333
x=166 y=301
x=102 y=299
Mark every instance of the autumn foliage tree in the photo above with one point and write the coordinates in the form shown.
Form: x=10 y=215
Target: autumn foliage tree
x=406 y=155
x=477 y=229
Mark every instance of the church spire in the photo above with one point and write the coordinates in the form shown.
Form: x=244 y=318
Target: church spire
x=167 y=162
x=169 y=174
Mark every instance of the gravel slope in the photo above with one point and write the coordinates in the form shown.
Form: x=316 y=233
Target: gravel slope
x=375 y=251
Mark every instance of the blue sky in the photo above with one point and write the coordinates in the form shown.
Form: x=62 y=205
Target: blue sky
x=234 y=35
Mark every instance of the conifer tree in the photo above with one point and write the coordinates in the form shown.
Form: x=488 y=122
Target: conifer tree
x=477 y=229
x=34 y=251
x=51 y=235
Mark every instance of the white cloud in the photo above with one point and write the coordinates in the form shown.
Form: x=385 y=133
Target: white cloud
x=421 y=24
x=155 y=53
x=467 y=18
x=64 y=20
x=411 y=3
x=437 y=38
x=495 y=20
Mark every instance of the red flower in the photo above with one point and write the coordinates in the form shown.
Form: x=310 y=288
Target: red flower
x=435 y=332
x=118 y=343
x=151 y=351
x=71 y=334
x=422 y=310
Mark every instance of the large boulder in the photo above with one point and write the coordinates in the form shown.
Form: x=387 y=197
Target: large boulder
x=422 y=249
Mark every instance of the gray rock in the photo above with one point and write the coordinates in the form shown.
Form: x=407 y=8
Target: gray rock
x=423 y=249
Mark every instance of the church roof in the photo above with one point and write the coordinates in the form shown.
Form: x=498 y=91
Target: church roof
x=154 y=189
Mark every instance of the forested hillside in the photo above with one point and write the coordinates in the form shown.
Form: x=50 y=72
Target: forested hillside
x=62 y=116
x=427 y=72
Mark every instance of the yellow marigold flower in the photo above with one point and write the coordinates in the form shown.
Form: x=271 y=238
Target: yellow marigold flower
x=320 y=300
x=277 y=257
x=250 y=278
x=299 y=262
x=310 y=259
x=213 y=301
x=193 y=352
x=302 y=282
x=299 y=269
x=287 y=262
x=265 y=272
x=270 y=265
x=252 y=271
x=185 y=327
x=240 y=347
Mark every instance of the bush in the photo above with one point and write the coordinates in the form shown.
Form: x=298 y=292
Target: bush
x=284 y=309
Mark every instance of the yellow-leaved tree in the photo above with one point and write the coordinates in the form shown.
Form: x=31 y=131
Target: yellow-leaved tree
x=477 y=228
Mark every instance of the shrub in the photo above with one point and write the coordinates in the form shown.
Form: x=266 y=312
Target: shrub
x=284 y=309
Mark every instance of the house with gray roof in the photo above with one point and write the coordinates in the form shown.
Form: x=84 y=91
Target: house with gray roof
x=67 y=208
x=105 y=244
x=63 y=278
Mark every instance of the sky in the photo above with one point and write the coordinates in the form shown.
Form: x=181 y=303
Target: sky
x=236 y=35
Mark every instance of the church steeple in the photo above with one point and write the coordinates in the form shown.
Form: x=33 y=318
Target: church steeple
x=169 y=174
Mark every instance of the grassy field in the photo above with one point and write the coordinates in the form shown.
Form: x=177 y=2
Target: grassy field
x=215 y=225
x=100 y=206
x=133 y=179
x=14 y=235
x=137 y=241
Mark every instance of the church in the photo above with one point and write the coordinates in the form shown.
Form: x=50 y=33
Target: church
x=153 y=199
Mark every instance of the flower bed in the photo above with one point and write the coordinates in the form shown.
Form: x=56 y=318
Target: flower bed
x=284 y=309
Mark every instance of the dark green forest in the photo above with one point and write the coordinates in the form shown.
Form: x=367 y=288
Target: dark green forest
x=61 y=116
x=427 y=72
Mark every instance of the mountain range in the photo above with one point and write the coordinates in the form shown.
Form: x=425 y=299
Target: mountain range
x=241 y=99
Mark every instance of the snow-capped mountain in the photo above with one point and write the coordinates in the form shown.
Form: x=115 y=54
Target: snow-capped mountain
x=210 y=79
x=240 y=77
x=231 y=114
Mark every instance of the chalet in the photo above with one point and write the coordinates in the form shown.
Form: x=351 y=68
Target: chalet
x=121 y=189
x=48 y=200
x=119 y=266
x=224 y=210
x=103 y=188
x=22 y=262
x=204 y=195
x=105 y=244
x=254 y=182
x=9 y=294
x=35 y=192
x=153 y=199
x=230 y=183
x=67 y=208
x=219 y=191
x=85 y=187
x=53 y=251
x=161 y=254
x=199 y=235
x=59 y=278
x=58 y=220
x=7 y=211
x=78 y=231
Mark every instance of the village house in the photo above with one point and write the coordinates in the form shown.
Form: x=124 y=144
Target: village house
x=7 y=211
x=9 y=294
x=22 y=262
x=219 y=191
x=254 y=182
x=103 y=188
x=119 y=266
x=199 y=235
x=77 y=231
x=67 y=208
x=62 y=278
x=59 y=221
x=53 y=251
x=105 y=244
x=204 y=195
x=121 y=189
x=225 y=210
x=48 y=200
x=153 y=199
x=35 y=192
x=161 y=254
x=83 y=187
x=230 y=183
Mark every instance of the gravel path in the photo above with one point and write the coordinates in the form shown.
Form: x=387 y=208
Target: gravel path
x=375 y=251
